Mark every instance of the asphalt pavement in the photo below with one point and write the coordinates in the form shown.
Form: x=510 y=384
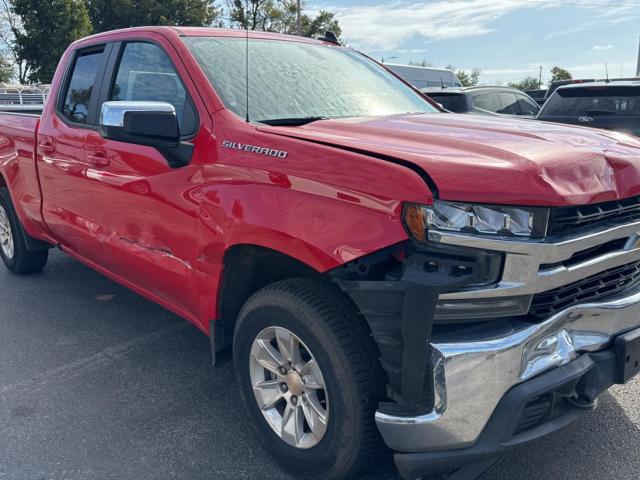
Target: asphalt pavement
x=98 y=383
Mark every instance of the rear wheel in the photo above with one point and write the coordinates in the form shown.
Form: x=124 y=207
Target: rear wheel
x=13 y=248
x=309 y=378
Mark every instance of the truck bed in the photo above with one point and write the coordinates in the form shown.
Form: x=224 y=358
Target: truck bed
x=17 y=156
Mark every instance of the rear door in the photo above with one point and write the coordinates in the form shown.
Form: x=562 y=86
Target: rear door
x=61 y=151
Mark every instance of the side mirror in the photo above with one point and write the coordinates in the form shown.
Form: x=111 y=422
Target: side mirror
x=153 y=124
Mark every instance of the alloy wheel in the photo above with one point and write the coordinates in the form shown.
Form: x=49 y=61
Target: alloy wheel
x=289 y=387
x=6 y=236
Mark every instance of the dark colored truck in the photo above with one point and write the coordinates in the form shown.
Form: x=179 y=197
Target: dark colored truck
x=611 y=105
x=385 y=272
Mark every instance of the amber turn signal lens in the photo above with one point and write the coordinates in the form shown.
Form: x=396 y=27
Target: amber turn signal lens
x=415 y=221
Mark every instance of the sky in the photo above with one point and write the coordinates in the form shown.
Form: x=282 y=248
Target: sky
x=506 y=39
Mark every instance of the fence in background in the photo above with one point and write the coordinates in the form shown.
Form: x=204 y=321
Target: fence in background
x=23 y=97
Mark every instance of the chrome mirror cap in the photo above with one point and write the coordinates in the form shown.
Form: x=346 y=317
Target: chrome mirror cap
x=112 y=113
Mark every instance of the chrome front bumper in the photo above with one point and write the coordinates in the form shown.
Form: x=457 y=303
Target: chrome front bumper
x=475 y=369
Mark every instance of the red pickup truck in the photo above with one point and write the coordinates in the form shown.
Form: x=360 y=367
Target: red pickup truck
x=385 y=272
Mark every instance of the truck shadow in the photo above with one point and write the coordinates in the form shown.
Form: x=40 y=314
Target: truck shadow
x=96 y=382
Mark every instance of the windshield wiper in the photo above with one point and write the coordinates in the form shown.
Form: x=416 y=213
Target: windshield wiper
x=291 y=122
x=600 y=112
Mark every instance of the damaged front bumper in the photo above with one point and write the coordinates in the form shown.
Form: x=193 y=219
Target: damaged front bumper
x=475 y=368
x=461 y=389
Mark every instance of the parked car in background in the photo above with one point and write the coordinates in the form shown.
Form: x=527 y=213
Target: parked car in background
x=553 y=86
x=611 y=105
x=485 y=101
x=424 y=77
x=539 y=95
x=574 y=81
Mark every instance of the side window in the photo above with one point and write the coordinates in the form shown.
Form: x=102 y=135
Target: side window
x=508 y=104
x=80 y=85
x=486 y=101
x=527 y=106
x=145 y=73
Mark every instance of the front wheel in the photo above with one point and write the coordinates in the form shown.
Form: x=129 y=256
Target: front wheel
x=13 y=247
x=309 y=378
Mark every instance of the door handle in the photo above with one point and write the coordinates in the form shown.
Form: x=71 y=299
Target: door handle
x=46 y=147
x=585 y=119
x=98 y=160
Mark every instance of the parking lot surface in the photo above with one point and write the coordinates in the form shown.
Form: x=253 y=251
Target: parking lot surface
x=98 y=383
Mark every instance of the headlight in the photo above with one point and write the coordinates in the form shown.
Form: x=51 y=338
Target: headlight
x=472 y=218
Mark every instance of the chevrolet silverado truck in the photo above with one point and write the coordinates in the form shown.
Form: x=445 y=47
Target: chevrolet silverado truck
x=385 y=272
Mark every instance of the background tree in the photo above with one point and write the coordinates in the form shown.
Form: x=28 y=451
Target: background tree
x=10 y=25
x=6 y=70
x=527 y=83
x=113 y=14
x=48 y=28
x=279 y=16
x=467 y=79
x=558 y=73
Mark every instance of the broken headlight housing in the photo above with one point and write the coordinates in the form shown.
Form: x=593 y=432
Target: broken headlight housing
x=474 y=218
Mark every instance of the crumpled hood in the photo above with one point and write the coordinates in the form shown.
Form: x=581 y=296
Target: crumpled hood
x=494 y=160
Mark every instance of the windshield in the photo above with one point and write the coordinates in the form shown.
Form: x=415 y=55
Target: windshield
x=298 y=80
x=593 y=101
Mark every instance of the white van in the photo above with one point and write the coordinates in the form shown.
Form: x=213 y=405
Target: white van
x=425 y=77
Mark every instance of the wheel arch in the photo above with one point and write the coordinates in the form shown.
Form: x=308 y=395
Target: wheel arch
x=248 y=268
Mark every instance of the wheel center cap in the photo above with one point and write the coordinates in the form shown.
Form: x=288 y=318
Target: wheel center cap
x=295 y=383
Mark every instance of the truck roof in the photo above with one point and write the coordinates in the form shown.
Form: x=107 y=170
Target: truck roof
x=208 y=32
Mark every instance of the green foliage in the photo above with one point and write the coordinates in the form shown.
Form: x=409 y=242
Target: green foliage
x=6 y=70
x=48 y=28
x=467 y=79
x=113 y=14
x=35 y=33
x=527 y=83
x=558 y=73
x=280 y=16
x=9 y=50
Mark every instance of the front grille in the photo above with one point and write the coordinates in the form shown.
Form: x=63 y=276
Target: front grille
x=595 y=287
x=563 y=220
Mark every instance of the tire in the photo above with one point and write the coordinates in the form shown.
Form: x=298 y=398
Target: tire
x=13 y=246
x=329 y=328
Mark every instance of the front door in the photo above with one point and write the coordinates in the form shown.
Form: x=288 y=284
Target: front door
x=144 y=214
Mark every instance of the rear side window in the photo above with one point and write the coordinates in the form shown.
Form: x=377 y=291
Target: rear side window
x=80 y=86
x=146 y=73
x=594 y=101
x=497 y=102
x=453 y=103
x=486 y=101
